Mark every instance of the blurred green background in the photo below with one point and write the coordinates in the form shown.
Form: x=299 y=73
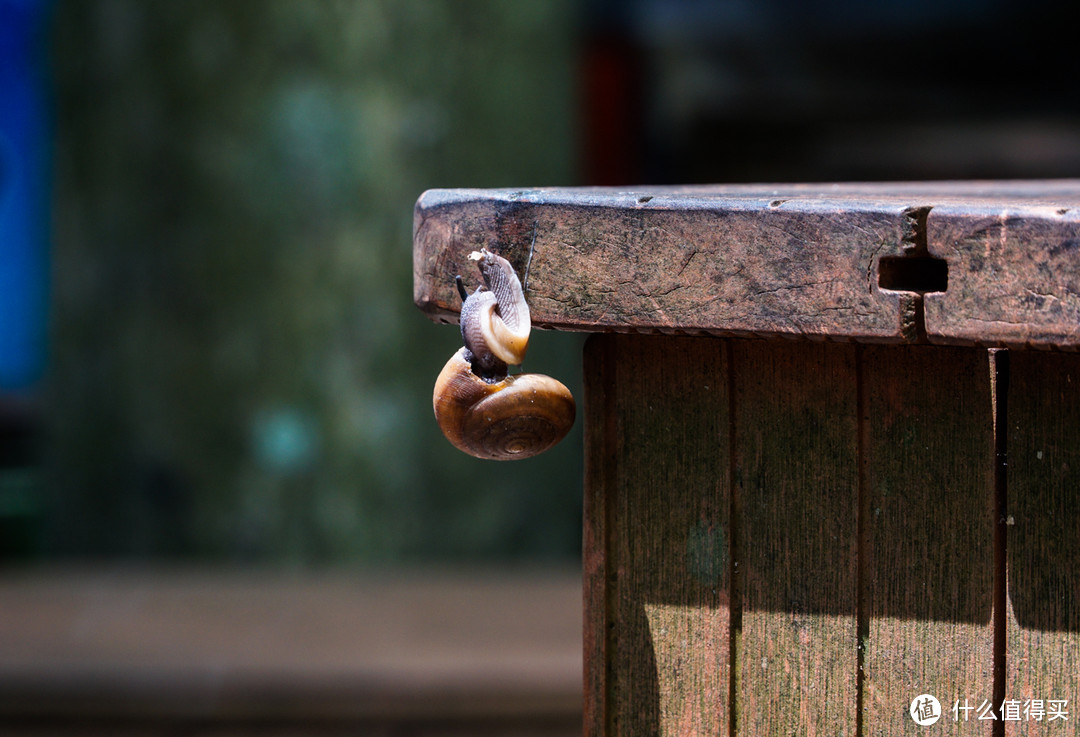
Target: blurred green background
x=237 y=371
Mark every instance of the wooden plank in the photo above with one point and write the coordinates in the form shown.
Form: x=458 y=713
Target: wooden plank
x=665 y=549
x=796 y=444
x=1043 y=630
x=769 y=260
x=597 y=570
x=756 y=264
x=929 y=527
x=1014 y=274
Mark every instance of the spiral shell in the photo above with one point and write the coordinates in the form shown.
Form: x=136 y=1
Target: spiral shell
x=517 y=417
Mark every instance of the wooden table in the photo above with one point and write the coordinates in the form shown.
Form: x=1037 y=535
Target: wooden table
x=832 y=445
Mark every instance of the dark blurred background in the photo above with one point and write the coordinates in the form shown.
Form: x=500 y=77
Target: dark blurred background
x=235 y=372
x=208 y=350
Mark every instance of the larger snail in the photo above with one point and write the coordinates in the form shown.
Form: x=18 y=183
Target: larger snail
x=481 y=408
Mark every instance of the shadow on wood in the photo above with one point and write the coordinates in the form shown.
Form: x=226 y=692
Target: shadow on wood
x=803 y=534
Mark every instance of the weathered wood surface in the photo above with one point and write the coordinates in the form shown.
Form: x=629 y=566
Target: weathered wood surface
x=771 y=260
x=796 y=479
x=847 y=502
x=598 y=566
x=929 y=534
x=846 y=505
x=1014 y=274
x=657 y=559
x=1043 y=632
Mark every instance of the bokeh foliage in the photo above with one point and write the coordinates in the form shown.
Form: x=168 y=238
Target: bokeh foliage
x=238 y=372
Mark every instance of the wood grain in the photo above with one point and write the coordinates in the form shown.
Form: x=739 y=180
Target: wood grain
x=710 y=264
x=796 y=441
x=1043 y=625
x=664 y=615
x=929 y=534
x=766 y=260
x=1014 y=274
x=859 y=491
x=856 y=485
x=598 y=572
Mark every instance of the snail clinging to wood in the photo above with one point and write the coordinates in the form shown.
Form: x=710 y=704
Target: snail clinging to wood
x=482 y=408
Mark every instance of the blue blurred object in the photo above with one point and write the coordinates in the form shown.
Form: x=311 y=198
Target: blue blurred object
x=24 y=192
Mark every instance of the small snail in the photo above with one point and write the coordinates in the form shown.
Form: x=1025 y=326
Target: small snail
x=481 y=408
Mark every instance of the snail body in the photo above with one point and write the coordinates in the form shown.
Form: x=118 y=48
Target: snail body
x=480 y=407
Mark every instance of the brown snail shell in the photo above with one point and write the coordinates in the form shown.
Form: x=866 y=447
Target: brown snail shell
x=516 y=417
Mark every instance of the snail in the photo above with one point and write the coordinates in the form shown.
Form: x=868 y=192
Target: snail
x=481 y=408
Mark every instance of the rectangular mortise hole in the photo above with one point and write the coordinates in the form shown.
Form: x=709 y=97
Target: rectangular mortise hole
x=920 y=274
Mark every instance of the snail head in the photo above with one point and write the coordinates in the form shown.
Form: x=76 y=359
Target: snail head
x=495 y=321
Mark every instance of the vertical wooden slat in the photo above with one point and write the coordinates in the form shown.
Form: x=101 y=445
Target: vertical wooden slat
x=796 y=447
x=929 y=568
x=666 y=536
x=1043 y=617
x=600 y=444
